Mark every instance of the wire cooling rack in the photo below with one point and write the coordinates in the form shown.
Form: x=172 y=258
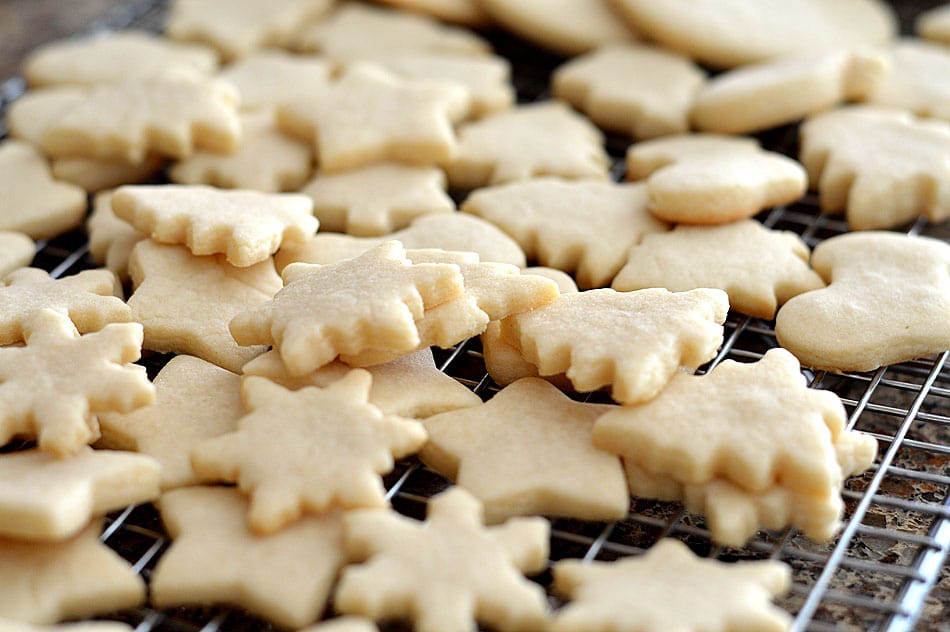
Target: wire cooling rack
x=886 y=570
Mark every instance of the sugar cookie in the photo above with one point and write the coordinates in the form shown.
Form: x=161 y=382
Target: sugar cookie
x=886 y=302
x=545 y=138
x=350 y=128
x=16 y=251
x=87 y=298
x=881 y=167
x=465 y=12
x=581 y=227
x=670 y=588
x=920 y=81
x=566 y=27
x=709 y=179
x=732 y=33
x=633 y=89
x=285 y=578
x=448 y=231
x=237 y=27
x=267 y=78
x=378 y=199
x=80 y=577
x=356 y=32
x=246 y=226
x=31 y=201
x=634 y=342
x=369 y=302
x=934 y=25
x=111 y=239
x=267 y=161
x=185 y=302
x=447 y=572
x=194 y=400
x=409 y=386
x=171 y=116
x=758 y=268
x=43 y=498
x=53 y=387
x=527 y=451
x=776 y=92
x=29 y=116
x=322 y=432
x=98 y=175
x=114 y=57
x=486 y=78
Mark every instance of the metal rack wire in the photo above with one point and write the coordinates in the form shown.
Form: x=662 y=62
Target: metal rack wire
x=887 y=569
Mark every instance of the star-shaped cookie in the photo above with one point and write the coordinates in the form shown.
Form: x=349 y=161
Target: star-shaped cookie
x=356 y=32
x=77 y=578
x=635 y=89
x=378 y=199
x=296 y=469
x=581 y=227
x=369 y=302
x=753 y=424
x=87 y=298
x=670 y=588
x=448 y=231
x=43 y=498
x=246 y=226
x=53 y=387
x=409 y=386
x=369 y=115
x=171 y=116
x=31 y=201
x=545 y=138
x=266 y=161
x=527 y=451
x=882 y=167
x=16 y=251
x=445 y=573
x=758 y=268
x=634 y=342
x=887 y=301
x=185 y=303
x=214 y=558
x=194 y=400
x=238 y=27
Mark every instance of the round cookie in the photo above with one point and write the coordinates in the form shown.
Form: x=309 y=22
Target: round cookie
x=728 y=33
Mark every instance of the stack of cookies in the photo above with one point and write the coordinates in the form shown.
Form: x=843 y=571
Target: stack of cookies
x=271 y=184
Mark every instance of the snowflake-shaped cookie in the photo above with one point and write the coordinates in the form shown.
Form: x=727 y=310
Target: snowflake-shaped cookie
x=755 y=425
x=634 y=342
x=670 y=588
x=247 y=226
x=580 y=227
x=322 y=432
x=186 y=303
x=369 y=302
x=639 y=90
x=285 y=577
x=43 y=498
x=87 y=298
x=53 y=387
x=194 y=400
x=527 y=451
x=545 y=138
x=77 y=578
x=378 y=199
x=238 y=27
x=881 y=167
x=887 y=301
x=447 y=572
x=171 y=116
x=369 y=115
x=758 y=268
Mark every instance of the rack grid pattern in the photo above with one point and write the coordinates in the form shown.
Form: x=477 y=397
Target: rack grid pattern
x=887 y=569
